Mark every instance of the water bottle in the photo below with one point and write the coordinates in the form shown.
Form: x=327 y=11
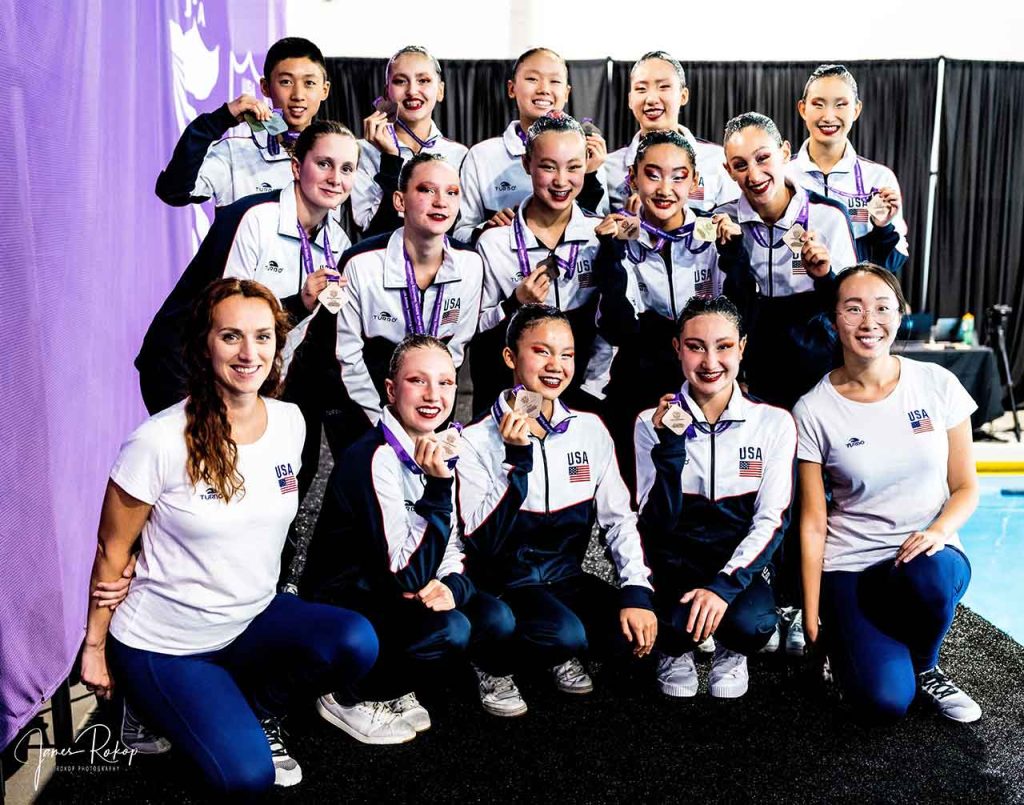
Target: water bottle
x=967 y=329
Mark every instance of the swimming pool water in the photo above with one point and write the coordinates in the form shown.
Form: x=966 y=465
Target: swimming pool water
x=994 y=540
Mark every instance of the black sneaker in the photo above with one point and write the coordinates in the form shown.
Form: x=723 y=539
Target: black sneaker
x=952 y=702
x=135 y=735
x=287 y=771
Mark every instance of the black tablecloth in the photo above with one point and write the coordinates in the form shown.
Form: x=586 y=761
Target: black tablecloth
x=976 y=368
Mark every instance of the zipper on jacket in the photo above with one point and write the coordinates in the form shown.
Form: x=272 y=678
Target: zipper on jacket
x=666 y=255
x=547 y=485
x=712 y=463
x=771 y=259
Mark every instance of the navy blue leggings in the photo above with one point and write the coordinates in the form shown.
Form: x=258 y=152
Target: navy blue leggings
x=746 y=627
x=209 y=704
x=884 y=625
x=564 y=619
x=415 y=641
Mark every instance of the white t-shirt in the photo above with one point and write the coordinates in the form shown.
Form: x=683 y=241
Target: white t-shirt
x=207 y=568
x=886 y=461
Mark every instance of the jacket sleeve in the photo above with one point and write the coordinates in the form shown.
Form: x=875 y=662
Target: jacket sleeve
x=660 y=456
x=616 y=317
x=771 y=516
x=881 y=247
x=194 y=173
x=471 y=210
x=492 y=299
x=414 y=553
x=349 y=351
x=593 y=196
x=385 y=218
x=740 y=282
x=451 y=572
x=488 y=505
x=614 y=513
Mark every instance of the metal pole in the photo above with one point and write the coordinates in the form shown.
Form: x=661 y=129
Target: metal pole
x=933 y=183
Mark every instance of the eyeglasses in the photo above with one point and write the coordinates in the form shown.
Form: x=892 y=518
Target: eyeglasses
x=853 y=315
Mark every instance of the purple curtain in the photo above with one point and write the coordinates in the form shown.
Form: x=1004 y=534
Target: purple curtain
x=94 y=96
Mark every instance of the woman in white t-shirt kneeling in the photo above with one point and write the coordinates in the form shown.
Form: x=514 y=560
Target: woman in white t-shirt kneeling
x=882 y=564
x=203 y=648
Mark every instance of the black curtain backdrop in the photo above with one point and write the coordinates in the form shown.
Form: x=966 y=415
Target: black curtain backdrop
x=978 y=237
x=978 y=240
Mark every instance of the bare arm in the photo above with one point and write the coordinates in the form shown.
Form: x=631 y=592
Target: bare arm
x=121 y=520
x=962 y=478
x=812 y=542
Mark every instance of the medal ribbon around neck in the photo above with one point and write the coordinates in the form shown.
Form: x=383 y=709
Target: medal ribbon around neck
x=704 y=427
x=404 y=457
x=542 y=420
x=661 y=236
x=306 y=251
x=412 y=308
x=523 y=254
x=801 y=218
x=423 y=144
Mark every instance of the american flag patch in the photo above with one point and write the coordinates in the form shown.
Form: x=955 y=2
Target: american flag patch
x=798 y=266
x=697 y=193
x=586 y=279
x=451 y=316
x=579 y=473
x=751 y=469
x=704 y=287
x=288 y=484
x=922 y=425
x=859 y=215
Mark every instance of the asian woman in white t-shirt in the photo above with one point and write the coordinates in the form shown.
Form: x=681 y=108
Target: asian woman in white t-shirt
x=882 y=564
x=204 y=649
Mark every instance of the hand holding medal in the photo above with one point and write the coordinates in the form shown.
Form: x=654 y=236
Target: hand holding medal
x=670 y=414
x=619 y=226
x=815 y=256
x=884 y=206
x=378 y=127
x=534 y=288
x=430 y=456
x=705 y=229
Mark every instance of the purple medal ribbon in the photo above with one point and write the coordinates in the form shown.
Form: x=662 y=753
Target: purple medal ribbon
x=404 y=457
x=412 y=308
x=522 y=135
x=424 y=144
x=523 y=254
x=705 y=427
x=684 y=232
x=801 y=219
x=273 y=146
x=306 y=252
x=542 y=420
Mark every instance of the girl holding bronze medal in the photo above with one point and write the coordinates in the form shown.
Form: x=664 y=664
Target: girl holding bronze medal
x=413 y=281
x=649 y=265
x=400 y=126
x=534 y=477
x=284 y=239
x=544 y=257
x=385 y=546
x=714 y=481
x=827 y=164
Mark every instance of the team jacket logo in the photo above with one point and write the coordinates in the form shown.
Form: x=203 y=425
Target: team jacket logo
x=751 y=462
x=505 y=187
x=920 y=422
x=452 y=308
x=211 y=494
x=286 y=479
x=858 y=207
x=585 y=274
x=273 y=266
x=384 y=316
x=579 y=467
x=703 y=285
x=263 y=187
x=854 y=442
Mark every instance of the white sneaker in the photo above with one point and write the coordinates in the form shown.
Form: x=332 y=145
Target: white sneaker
x=773 y=642
x=135 y=735
x=499 y=695
x=572 y=677
x=796 y=643
x=677 y=676
x=368 y=722
x=728 y=678
x=410 y=709
x=952 y=702
x=708 y=646
x=287 y=771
